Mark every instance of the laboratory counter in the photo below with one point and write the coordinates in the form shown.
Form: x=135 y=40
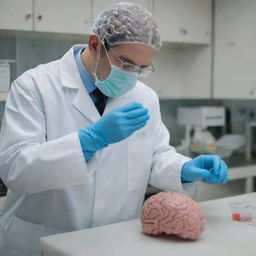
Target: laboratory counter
x=222 y=236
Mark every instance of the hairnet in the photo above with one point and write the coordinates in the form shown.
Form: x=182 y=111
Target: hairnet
x=127 y=23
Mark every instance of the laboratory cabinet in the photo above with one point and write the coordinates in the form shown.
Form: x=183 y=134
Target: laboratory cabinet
x=63 y=16
x=181 y=72
x=183 y=65
x=235 y=48
x=17 y=15
x=184 y=21
x=99 y=5
x=60 y=16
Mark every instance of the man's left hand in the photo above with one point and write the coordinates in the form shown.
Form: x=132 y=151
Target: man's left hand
x=208 y=168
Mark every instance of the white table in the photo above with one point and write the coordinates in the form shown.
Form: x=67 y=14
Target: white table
x=248 y=172
x=223 y=237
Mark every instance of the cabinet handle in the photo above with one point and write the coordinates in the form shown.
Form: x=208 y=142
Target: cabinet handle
x=39 y=17
x=252 y=91
x=183 y=31
x=28 y=16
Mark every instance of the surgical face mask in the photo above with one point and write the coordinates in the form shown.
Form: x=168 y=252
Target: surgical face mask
x=118 y=82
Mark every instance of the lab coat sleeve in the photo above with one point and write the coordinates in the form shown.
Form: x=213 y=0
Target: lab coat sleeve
x=167 y=163
x=28 y=162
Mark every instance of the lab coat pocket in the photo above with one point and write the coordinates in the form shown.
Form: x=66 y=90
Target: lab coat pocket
x=139 y=164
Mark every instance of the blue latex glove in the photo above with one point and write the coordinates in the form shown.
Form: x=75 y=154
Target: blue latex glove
x=208 y=168
x=113 y=127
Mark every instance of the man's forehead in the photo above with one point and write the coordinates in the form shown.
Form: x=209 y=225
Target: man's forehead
x=134 y=47
x=135 y=53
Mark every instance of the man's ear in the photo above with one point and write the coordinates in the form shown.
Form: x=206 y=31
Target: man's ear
x=94 y=44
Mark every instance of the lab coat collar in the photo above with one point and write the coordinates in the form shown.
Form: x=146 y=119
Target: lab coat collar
x=70 y=78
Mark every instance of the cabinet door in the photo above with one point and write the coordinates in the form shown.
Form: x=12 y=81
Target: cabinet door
x=185 y=21
x=181 y=73
x=235 y=48
x=16 y=14
x=63 y=16
x=99 y=5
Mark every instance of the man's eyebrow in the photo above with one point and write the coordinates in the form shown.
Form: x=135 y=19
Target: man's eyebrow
x=126 y=60
x=129 y=61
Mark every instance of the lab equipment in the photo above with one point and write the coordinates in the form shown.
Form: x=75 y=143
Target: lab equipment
x=127 y=23
x=4 y=76
x=198 y=119
x=243 y=211
x=209 y=168
x=232 y=141
x=203 y=142
x=228 y=144
x=118 y=82
x=201 y=116
x=115 y=126
x=172 y=213
x=250 y=126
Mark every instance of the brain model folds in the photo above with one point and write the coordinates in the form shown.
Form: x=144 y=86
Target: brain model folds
x=172 y=213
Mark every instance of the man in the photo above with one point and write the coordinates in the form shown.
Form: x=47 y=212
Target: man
x=82 y=138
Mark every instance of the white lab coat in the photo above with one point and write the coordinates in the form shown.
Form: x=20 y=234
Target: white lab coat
x=51 y=188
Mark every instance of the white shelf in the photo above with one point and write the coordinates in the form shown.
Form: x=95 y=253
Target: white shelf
x=3 y=96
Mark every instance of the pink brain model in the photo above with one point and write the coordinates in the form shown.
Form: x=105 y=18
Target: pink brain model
x=172 y=213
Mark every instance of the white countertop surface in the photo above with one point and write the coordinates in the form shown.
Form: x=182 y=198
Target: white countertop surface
x=223 y=237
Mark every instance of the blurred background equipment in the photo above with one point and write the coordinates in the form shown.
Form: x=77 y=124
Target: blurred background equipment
x=197 y=120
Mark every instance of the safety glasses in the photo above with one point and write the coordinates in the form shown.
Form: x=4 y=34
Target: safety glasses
x=142 y=71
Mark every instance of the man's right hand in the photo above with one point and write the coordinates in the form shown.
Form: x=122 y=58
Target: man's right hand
x=120 y=123
x=113 y=127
